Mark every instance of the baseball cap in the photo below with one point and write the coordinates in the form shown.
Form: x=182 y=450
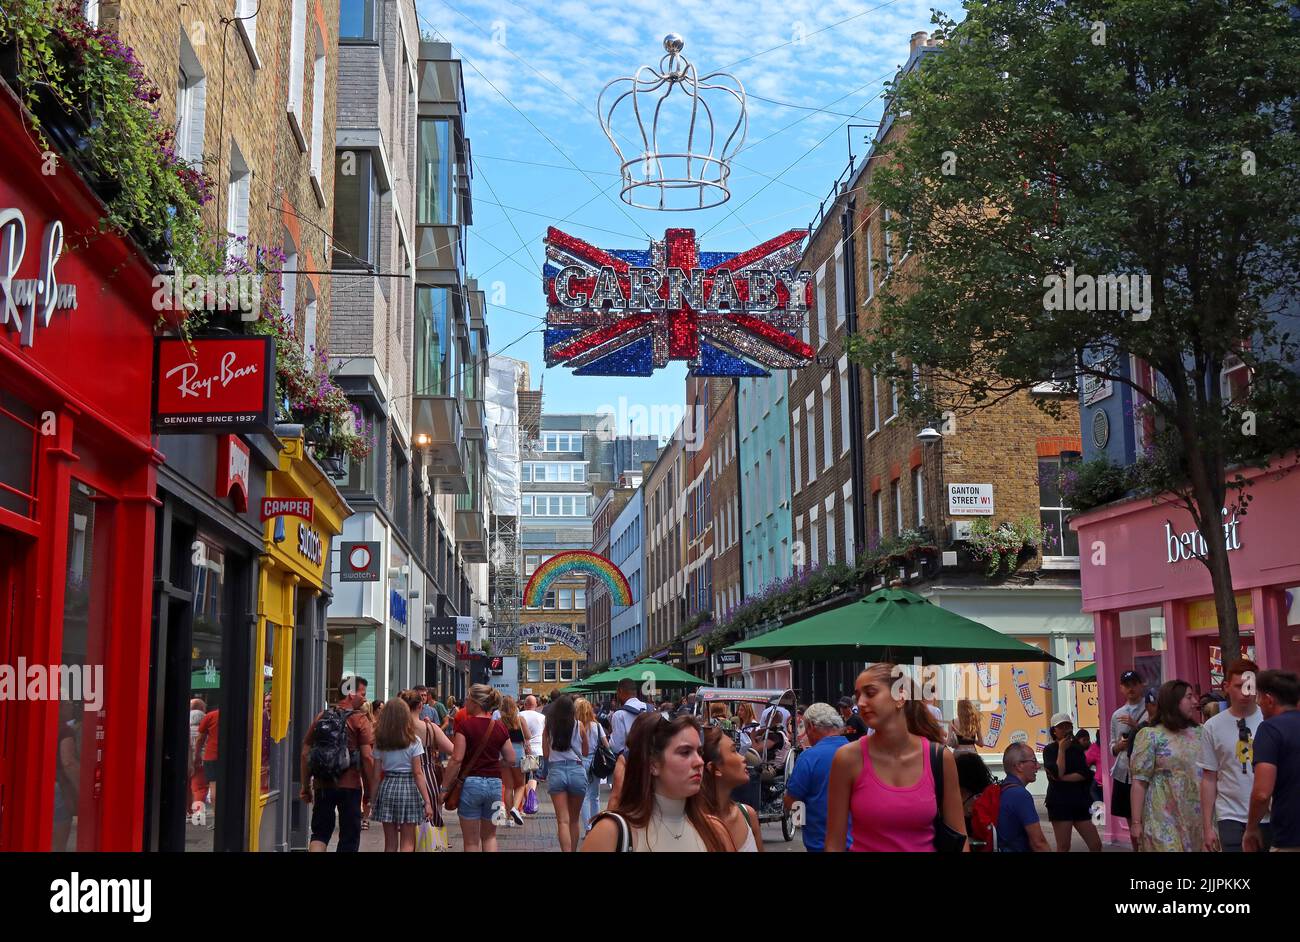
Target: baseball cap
x=1059 y=718
x=1130 y=677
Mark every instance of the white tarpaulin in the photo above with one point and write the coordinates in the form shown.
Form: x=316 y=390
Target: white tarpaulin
x=501 y=407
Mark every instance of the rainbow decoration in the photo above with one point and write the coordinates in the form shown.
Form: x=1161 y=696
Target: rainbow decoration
x=583 y=562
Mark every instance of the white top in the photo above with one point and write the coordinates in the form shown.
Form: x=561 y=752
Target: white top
x=399 y=760
x=669 y=830
x=621 y=721
x=574 y=752
x=766 y=715
x=535 y=722
x=1219 y=742
x=750 y=846
x=1138 y=712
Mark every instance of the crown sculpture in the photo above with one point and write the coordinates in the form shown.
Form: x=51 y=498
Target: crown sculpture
x=682 y=174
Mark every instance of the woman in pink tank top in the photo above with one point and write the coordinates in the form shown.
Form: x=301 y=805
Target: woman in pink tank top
x=883 y=785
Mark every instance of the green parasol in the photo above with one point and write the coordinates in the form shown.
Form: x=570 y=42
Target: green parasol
x=892 y=625
x=1084 y=675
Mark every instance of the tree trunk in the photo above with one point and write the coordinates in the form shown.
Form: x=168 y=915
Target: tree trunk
x=1209 y=500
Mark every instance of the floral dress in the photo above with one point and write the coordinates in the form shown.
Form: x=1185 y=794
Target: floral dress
x=1166 y=763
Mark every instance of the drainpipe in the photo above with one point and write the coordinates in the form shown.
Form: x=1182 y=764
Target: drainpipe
x=856 y=456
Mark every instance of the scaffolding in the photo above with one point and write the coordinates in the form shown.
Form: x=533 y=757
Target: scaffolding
x=507 y=587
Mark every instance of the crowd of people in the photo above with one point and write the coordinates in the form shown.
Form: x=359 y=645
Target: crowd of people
x=878 y=771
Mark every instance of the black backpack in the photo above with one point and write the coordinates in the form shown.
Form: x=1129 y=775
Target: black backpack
x=330 y=755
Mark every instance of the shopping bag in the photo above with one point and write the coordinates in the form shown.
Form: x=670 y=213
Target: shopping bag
x=425 y=842
x=441 y=842
x=530 y=803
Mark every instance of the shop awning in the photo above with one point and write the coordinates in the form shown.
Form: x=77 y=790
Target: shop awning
x=1083 y=675
x=892 y=625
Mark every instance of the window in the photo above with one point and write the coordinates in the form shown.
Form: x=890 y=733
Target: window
x=549 y=600
x=237 y=203
x=918 y=496
x=823 y=316
x=893 y=399
x=1058 y=538
x=798 y=457
x=579 y=598
x=888 y=238
x=875 y=402
x=880 y=517
x=433 y=347
x=871 y=269
x=297 y=65
x=896 y=488
x=1234 y=380
x=356 y=24
x=534 y=671
x=567 y=669
x=526 y=506
x=566 y=599
x=814 y=552
x=289 y=280
x=355 y=192
x=435 y=194
x=309 y=320
x=850 y=549
x=827 y=421
x=91 y=10
x=318 y=113
x=830 y=537
x=246 y=23
x=845 y=425
x=839 y=283
x=191 y=104
x=812 y=441
x=530 y=563
x=562 y=441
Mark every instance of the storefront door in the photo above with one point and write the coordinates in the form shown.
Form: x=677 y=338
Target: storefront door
x=14 y=599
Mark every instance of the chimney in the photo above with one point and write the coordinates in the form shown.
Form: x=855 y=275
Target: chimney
x=919 y=39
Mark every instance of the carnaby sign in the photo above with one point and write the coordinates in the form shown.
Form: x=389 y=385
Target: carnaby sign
x=220 y=383
x=40 y=296
x=303 y=507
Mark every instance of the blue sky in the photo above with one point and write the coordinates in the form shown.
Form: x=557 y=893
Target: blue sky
x=531 y=64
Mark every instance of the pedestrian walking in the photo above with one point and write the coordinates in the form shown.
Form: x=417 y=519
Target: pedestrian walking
x=661 y=808
x=436 y=743
x=811 y=778
x=481 y=750
x=403 y=798
x=967 y=731
x=1226 y=762
x=1277 y=763
x=854 y=728
x=534 y=720
x=566 y=747
x=627 y=710
x=1124 y=724
x=1166 y=790
x=1069 y=787
x=899 y=783
x=973 y=779
x=513 y=782
x=1019 y=830
x=337 y=769
x=725 y=770
x=586 y=717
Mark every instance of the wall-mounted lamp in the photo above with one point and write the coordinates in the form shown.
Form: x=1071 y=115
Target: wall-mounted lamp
x=422 y=440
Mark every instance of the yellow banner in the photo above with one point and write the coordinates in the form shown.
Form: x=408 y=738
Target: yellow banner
x=1202 y=616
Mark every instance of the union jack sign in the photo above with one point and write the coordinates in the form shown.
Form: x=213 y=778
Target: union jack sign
x=628 y=312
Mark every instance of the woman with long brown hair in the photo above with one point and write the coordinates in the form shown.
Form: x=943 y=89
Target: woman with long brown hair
x=725 y=770
x=660 y=808
x=515 y=789
x=435 y=741
x=585 y=714
x=1166 y=777
x=403 y=799
x=967 y=731
x=888 y=780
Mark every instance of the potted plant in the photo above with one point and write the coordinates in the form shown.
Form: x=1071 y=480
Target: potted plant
x=1006 y=547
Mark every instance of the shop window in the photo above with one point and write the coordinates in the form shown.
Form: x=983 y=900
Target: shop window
x=549 y=674
x=534 y=671
x=269 y=748
x=18 y=430
x=1058 y=540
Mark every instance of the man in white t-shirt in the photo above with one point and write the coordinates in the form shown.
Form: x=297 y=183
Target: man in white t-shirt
x=535 y=720
x=1227 y=762
x=1124 y=723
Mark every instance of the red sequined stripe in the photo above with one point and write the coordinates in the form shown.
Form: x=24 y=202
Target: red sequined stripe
x=772 y=335
x=750 y=256
x=584 y=250
x=597 y=337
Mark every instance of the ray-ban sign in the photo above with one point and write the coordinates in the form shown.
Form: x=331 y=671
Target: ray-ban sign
x=213 y=384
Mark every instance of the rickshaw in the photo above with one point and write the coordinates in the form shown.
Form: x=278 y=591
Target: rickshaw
x=767 y=777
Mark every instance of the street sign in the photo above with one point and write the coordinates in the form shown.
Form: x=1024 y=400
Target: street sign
x=970 y=500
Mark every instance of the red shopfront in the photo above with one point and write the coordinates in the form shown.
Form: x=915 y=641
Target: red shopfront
x=1152 y=601
x=77 y=500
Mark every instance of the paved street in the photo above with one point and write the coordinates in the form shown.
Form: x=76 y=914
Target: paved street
x=538 y=833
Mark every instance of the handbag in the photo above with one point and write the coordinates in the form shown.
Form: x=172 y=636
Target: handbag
x=451 y=800
x=603 y=761
x=946 y=839
x=530 y=763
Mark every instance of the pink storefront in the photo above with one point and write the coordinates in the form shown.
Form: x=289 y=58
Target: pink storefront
x=1151 y=601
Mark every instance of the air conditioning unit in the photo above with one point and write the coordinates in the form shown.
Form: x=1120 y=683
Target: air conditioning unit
x=959 y=531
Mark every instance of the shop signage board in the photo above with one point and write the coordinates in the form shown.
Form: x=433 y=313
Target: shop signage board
x=224 y=384
x=304 y=507
x=729 y=658
x=397 y=607
x=359 y=561
x=26 y=303
x=440 y=631
x=970 y=500
x=309 y=544
x=233 y=464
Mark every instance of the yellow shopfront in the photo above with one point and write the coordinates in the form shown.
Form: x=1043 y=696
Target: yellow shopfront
x=308 y=514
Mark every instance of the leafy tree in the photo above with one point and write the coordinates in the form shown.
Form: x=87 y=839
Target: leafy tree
x=1154 y=137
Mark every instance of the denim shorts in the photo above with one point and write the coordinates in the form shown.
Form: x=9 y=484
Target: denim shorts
x=479 y=798
x=566 y=776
